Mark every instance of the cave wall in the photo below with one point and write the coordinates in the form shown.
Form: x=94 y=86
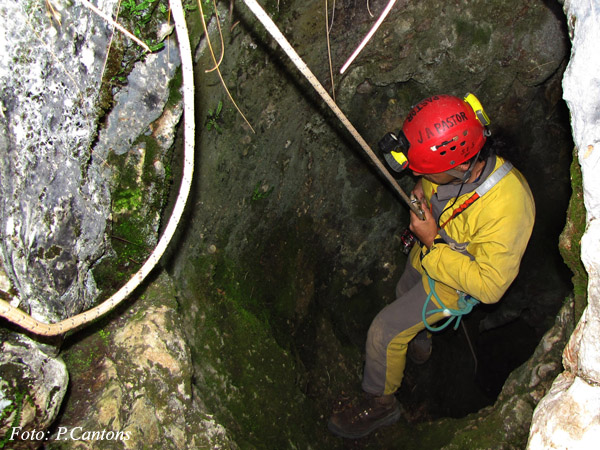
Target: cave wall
x=294 y=228
x=567 y=417
x=54 y=197
x=83 y=178
x=288 y=172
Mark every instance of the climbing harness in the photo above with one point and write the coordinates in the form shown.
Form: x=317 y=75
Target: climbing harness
x=489 y=183
x=466 y=302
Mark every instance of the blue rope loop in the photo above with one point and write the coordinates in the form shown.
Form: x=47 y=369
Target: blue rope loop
x=465 y=304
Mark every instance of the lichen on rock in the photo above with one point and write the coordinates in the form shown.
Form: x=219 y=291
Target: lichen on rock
x=32 y=386
x=54 y=199
x=139 y=386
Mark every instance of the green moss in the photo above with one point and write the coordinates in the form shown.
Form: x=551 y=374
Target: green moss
x=127 y=200
x=570 y=239
x=472 y=34
x=82 y=353
x=248 y=379
x=175 y=94
x=138 y=196
x=10 y=416
x=486 y=434
x=244 y=331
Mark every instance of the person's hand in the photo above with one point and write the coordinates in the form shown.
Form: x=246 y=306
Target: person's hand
x=424 y=230
x=418 y=189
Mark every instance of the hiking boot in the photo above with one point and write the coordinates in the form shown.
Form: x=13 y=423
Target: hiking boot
x=420 y=348
x=366 y=415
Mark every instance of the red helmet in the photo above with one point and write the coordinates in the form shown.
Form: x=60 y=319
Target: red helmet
x=444 y=131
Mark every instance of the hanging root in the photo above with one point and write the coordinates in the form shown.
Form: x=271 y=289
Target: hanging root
x=262 y=16
x=220 y=34
x=327 y=31
x=470 y=347
x=369 y=35
x=116 y=25
x=212 y=53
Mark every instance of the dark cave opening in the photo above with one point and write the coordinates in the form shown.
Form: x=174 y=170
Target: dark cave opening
x=470 y=365
x=467 y=369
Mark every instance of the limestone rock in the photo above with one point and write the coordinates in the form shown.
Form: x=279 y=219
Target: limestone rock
x=568 y=416
x=140 y=390
x=140 y=102
x=32 y=387
x=55 y=190
x=54 y=200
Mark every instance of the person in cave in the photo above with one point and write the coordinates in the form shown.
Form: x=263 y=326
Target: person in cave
x=478 y=217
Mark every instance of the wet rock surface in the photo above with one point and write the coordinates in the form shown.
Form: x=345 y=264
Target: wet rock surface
x=33 y=383
x=132 y=378
x=563 y=418
x=54 y=197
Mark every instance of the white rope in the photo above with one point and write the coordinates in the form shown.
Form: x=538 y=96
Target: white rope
x=262 y=16
x=27 y=322
x=369 y=35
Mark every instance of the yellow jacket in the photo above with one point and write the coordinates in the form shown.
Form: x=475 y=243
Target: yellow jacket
x=493 y=230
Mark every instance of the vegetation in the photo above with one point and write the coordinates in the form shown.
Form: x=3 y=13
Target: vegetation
x=212 y=119
x=570 y=239
x=14 y=409
x=260 y=193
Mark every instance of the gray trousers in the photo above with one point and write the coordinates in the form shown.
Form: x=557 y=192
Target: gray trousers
x=391 y=331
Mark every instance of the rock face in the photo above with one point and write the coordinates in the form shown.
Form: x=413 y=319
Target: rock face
x=32 y=387
x=57 y=190
x=137 y=385
x=54 y=196
x=567 y=416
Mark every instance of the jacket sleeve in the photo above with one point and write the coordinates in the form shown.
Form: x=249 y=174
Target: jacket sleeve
x=499 y=232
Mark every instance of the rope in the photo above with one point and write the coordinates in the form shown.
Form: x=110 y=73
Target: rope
x=27 y=322
x=465 y=304
x=470 y=347
x=262 y=16
x=369 y=35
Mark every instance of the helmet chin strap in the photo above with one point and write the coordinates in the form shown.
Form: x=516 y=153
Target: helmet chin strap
x=464 y=176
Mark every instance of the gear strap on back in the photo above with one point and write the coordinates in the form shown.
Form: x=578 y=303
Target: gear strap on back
x=483 y=189
x=466 y=302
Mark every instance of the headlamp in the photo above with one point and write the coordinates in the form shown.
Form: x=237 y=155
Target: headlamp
x=479 y=112
x=394 y=150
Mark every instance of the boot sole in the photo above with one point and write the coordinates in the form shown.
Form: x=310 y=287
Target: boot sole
x=390 y=419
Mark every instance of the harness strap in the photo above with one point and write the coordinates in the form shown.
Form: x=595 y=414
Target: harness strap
x=466 y=303
x=488 y=184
